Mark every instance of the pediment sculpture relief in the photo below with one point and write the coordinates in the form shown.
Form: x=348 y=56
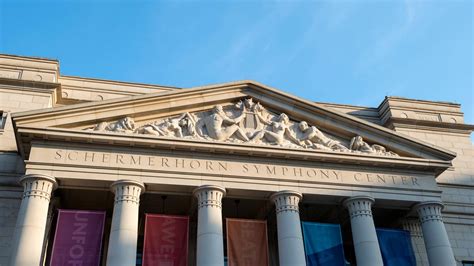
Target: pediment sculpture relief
x=244 y=122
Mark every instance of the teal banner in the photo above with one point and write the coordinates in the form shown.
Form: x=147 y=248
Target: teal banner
x=323 y=244
x=396 y=247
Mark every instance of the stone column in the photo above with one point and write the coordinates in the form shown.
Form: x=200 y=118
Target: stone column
x=365 y=240
x=437 y=244
x=124 y=230
x=290 y=237
x=210 y=243
x=28 y=237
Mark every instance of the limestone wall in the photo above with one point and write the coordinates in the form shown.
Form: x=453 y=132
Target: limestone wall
x=458 y=189
x=17 y=97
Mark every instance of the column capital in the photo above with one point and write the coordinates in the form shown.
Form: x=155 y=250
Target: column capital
x=286 y=200
x=127 y=190
x=209 y=196
x=38 y=185
x=429 y=211
x=359 y=205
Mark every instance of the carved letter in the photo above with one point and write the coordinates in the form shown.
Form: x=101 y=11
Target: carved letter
x=381 y=178
x=59 y=155
x=357 y=177
x=271 y=170
x=245 y=168
x=136 y=160
x=209 y=165
x=89 y=156
x=222 y=166
x=106 y=157
x=72 y=158
x=119 y=159
x=195 y=164
x=298 y=171
x=151 y=161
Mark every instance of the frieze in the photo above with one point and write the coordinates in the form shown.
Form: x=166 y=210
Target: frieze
x=223 y=167
x=245 y=122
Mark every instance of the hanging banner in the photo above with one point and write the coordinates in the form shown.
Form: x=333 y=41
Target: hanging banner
x=396 y=247
x=166 y=240
x=323 y=244
x=247 y=242
x=78 y=238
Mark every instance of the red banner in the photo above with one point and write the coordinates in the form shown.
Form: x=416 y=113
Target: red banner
x=166 y=240
x=247 y=242
x=78 y=238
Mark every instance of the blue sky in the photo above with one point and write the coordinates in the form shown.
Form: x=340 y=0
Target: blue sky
x=352 y=52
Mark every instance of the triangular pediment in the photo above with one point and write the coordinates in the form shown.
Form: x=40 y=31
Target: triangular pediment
x=243 y=116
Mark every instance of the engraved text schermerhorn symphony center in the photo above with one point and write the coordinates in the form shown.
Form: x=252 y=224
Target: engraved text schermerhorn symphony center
x=170 y=163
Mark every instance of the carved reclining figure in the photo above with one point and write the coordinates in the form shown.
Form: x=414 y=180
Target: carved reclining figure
x=125 y=125
x=358 y=144
x=313 y=137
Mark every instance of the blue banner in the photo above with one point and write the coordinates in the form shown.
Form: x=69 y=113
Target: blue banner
x=323 y=244
x=396 y=247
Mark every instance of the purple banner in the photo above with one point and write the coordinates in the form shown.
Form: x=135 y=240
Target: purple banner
x=78 y=238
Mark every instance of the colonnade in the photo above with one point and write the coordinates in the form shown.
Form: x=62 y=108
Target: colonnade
x=29 y=232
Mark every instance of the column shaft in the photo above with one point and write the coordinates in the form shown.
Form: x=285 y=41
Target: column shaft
x=290 y=237
x=364 y=236
x=436 y=239
x=210 y=242
x=29 y=233
x=124 y=230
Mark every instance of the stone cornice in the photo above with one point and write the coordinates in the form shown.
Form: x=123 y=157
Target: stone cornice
x=88 y=89
x=29 y=84
x=47 y=61
x=202 y=98
x=114 y=82
x=429 y=125
x=145 y=141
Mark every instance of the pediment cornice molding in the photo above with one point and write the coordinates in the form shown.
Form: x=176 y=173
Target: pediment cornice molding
x=168 y=104
x=213 y=148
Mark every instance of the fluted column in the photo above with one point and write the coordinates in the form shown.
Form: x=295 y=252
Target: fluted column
x=28 y=236
x=124 y=230
x=210 y=243
x=437 y=244
x=290 y=237
x=364 y=236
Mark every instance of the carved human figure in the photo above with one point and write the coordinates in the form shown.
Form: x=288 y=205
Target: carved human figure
x=171 y=126
x=214 y=124
x=358 y=144
x=313 y=137
x=126 y=125
x=155 y=128
x=279 y=129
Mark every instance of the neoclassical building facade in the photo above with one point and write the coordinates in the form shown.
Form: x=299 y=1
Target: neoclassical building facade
x=234 y=150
